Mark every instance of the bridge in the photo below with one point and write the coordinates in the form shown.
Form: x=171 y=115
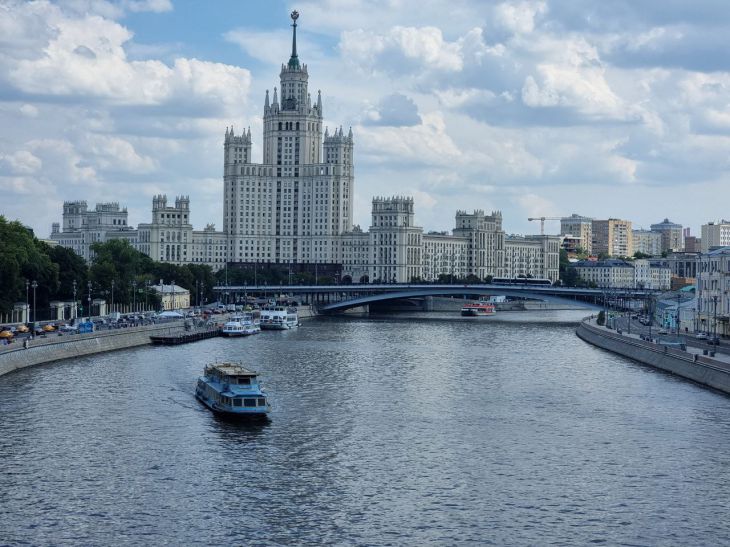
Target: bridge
x=337 y=298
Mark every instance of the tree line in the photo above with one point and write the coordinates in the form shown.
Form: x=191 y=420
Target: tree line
x=56 y=270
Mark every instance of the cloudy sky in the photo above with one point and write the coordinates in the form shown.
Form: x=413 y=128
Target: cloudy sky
x=534 y=108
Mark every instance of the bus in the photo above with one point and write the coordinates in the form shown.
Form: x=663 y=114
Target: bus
x=521 y=281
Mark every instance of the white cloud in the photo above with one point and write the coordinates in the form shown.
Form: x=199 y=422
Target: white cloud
x=519 y=17
x=21 y=162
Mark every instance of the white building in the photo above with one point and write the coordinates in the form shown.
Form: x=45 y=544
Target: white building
x=295 y=206
x=396 y=250
x=715 y=234
x=168 y=238
x=647 y=242
x=652 y=274
x=611 y=273
x=82 y=227
x=713 y=291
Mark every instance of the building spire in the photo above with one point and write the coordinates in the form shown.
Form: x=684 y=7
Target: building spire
x=294 y=60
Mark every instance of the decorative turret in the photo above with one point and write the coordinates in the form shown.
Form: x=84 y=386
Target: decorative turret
x=266 y=102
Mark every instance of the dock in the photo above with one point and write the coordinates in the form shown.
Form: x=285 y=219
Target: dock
x=184 y=337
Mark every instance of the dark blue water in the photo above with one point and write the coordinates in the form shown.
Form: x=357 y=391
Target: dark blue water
x=390 y=431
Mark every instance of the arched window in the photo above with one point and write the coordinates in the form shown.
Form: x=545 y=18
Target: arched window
x=297 y=126
x=279 y=126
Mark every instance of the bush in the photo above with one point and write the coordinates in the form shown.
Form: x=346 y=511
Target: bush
x=601 y=320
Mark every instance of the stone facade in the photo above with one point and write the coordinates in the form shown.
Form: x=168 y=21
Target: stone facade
x=623 y=274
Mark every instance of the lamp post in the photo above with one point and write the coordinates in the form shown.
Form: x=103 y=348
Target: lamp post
x=172 y=288
x=27 y=315
x=134 y=296
x=112 y=296
x=146 y=294
x=714 y=321
x=74 y=309
x=35 y=309
x=89 y=285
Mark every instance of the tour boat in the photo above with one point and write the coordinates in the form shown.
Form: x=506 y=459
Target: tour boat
x=230 y=390
x=279 y=318
x=480 y=308
x=241 y=325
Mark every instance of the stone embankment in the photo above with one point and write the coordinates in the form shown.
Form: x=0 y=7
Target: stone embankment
x=713 y=372
x=54 y=347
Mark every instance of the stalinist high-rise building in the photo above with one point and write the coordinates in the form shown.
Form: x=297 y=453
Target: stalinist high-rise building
x=293 y=207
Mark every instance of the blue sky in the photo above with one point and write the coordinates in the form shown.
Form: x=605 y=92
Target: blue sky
x=531 y=107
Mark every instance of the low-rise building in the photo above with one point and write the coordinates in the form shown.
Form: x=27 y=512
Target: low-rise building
x=651 y=274
x=612 y=273
x=172 y=297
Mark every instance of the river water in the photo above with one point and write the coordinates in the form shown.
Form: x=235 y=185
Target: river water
x=429 y=429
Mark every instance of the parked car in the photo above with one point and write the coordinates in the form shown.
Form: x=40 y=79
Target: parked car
x=662 y=331
x=701 y=336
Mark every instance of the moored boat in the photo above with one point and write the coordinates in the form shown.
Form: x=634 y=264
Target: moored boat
x=279 y=318
x=480 y=308
x=230 y=390
x=241 y=325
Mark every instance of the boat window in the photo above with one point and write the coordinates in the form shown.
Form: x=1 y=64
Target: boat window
x=262 y=402
x=249 y=402
x=244 y=381
x=237 y=402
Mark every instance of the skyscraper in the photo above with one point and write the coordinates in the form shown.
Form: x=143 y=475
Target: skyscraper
x=293 y=207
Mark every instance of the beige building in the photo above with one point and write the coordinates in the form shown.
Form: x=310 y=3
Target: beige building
x=613 y=237
x=172 y=297
x=715 y=234
x=652 y=274
x=581 y=229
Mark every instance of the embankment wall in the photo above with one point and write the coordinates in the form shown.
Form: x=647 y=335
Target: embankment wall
x=701 y=369
x=54 y=347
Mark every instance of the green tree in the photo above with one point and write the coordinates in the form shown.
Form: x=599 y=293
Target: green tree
x=71 y=267
x=23 y=258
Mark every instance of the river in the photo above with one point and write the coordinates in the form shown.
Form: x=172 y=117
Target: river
x=427 y=429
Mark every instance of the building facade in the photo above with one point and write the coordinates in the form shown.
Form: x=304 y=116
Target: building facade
x=647 y=242
x=713 y=292
x=395 y=249
x=671 y=234
x=613 y=237
x=295 y=205
x=169 y=237
x=581 y=230
x=714 y=235
x=623 y=274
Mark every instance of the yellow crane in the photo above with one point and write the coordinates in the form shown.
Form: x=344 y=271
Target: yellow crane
x=542 y=222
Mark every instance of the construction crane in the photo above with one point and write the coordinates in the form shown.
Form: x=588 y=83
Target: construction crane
x=542 y=222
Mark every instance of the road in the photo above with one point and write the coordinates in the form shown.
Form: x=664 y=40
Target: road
x=622 y=322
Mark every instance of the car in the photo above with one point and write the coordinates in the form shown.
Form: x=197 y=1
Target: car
x=701 y=336
x=662 y=331
x=634 y=316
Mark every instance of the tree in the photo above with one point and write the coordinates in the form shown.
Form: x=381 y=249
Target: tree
x=71 y=267
x=118 y=262
x=639 y=254
x=601 y=319
x=23 y=258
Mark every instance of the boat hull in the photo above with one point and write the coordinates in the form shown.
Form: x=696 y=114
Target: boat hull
x=475 y=313
x=278 y=326
x=257 y=414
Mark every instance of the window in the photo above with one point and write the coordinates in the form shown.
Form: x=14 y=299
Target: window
x=249 y=402
x=262 y=401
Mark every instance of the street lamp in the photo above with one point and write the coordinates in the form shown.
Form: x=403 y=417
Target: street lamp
x=74 y=311
x=714 y=321
x=35 y=310
x=27 y=315
x=112 y=296
x=134 y=296
x=172 y=288
x=89 y=285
